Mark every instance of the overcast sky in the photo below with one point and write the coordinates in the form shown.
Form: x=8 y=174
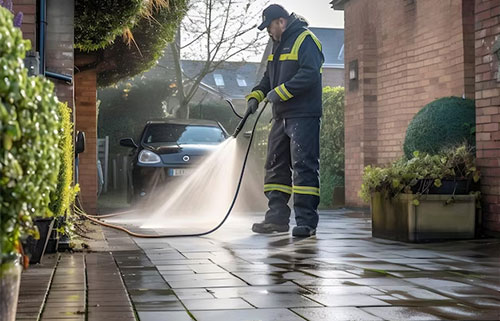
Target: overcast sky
x=319 y=13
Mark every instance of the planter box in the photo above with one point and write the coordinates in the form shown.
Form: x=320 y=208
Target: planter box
x=36 y=248
x=10 y=278
x=398 y=219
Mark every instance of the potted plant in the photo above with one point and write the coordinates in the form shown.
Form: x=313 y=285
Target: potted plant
x=29 y=156
x=407 y=202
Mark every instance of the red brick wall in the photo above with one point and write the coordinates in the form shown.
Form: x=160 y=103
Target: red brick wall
x=487 y=25
x=86 y=120
x=28 y=27
x=59 y=41
x=360 y=104
x=409 y=53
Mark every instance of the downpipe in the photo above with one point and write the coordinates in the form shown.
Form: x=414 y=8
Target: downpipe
x=241 y=124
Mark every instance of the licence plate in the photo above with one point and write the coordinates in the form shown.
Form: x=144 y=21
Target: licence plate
x=179 y=171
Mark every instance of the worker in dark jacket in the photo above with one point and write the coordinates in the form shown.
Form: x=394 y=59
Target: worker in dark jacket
x=292 y=83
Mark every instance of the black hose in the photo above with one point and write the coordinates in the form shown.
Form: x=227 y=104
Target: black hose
x=234 y=110
x=121 y=228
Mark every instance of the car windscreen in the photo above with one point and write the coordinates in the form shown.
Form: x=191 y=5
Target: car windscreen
x=183 y=134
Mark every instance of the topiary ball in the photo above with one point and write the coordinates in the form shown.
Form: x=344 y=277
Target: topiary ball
x=441 y=124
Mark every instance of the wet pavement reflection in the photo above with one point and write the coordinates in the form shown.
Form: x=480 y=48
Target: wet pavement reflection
x=340 y=274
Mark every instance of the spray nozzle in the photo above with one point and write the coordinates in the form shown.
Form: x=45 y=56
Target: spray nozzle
x=250 y=110
x=242 y=122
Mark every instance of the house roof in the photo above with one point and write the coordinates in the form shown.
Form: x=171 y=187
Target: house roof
x=332 y=40
x=232 y=80
x=338 y=4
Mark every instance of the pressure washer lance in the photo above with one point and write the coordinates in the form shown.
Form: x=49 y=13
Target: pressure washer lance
x=243 y=120
x=95 y=218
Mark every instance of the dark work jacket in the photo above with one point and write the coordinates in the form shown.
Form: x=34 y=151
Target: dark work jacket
x=294 y=72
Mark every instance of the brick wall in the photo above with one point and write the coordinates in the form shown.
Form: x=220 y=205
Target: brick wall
x=487 y=27
x=409 y=53
x=59 y=41
x=360 y=101
x=28 y=8
x=86 y=121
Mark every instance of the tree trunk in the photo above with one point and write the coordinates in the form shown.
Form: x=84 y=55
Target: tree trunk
x=183 y=111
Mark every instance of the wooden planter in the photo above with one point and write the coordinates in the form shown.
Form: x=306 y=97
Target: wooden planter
x=398 y=219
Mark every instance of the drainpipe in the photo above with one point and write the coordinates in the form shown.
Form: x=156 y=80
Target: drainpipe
x=41 y=44
x=42 y=31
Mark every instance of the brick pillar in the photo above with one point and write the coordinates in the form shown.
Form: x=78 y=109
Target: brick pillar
x=361 y=98
x=86 y=121
x=487 y=22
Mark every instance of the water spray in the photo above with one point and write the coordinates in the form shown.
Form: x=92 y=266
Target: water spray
x=244 y=118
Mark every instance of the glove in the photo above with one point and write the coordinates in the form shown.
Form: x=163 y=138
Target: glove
x=273 y=97
x=252 y=105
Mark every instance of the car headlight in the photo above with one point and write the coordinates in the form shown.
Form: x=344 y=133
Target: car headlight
x=148 y=157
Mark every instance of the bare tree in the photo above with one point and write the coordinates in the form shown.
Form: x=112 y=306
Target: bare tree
x=214 y=31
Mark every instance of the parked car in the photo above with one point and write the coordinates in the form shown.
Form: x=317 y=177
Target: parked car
x=168 y=150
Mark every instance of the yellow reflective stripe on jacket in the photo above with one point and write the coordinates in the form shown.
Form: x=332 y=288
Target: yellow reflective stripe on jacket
x=280 y=93
x=294 y=54
x=285 y=91
x=278 y=187
x=289 y=57
x=308 y=190
x=257 y=94
x=300 y=39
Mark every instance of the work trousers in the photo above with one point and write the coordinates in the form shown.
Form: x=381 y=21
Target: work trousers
x=292 y=168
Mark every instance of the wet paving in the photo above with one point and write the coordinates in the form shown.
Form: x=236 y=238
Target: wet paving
x=340 y=274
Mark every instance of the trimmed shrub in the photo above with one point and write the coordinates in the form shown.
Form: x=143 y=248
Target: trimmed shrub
x=63 y=196
x=445 y=122
x=29 y=137
x=332 y=143
x=99 y=22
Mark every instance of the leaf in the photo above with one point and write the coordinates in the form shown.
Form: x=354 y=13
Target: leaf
x=7 y=141
x=416 y=202
x=438 y=183
x=476 y=176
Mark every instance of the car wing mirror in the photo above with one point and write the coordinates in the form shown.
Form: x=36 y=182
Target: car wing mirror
x=128 y=142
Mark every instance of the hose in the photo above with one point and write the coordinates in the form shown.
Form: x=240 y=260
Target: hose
x=95 y=219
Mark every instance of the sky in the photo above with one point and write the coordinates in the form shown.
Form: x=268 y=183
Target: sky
x=318 y=13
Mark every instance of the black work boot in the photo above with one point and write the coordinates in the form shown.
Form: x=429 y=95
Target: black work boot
x=268 y=228
x=303 y=231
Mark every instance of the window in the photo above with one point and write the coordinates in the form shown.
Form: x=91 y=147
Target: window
x=219 y=81
x=183 y=134
x=241 y=81
x=341 y=54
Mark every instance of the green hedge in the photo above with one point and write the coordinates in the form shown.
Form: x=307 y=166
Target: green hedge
x=29 y=137
x=332 y=143
x=63 y=196
x=99 y=22
x=151 y=37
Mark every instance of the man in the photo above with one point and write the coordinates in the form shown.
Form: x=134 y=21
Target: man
x=292 y=83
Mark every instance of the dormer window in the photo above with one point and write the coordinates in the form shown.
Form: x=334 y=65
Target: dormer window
x=219 y=81
x=241 y=81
